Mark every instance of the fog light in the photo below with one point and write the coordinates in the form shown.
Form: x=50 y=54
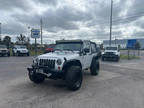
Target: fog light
x=58 y=68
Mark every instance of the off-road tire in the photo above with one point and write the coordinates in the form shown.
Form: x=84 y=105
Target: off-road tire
x=117 y=59
x=103 y=59
x=28 y=54
x=17 y=54
x=36 y=77
x=94 y=69
x=74 y=78
x=8 y=54
x=13 y=53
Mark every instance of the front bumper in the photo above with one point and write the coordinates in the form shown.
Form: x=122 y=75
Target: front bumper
x=46 y=71
x=110 y=56
x=4 y=53
x=22 y=53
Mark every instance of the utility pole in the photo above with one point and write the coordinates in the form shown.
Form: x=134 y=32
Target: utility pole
x=111 y=22
x=115 y=40
x=0 y=31
x=41 y=24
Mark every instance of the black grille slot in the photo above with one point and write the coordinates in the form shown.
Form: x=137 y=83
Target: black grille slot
x=109 y=53
x=3 y=51
x=47 y=62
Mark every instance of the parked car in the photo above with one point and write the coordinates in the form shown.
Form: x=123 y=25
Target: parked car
x=99 y=51
x=20 y=50
x=4 y=51
x=50 y=48
x=67 y=62
x=111 y=53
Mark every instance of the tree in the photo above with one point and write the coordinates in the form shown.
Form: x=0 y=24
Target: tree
x=7 y=41
x=21 y=39
x=137 y=47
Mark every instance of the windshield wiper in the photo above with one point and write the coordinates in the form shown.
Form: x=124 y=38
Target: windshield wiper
x=69 y=50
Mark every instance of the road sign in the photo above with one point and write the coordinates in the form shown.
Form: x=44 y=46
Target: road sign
x=131 y=43
x=35 y=33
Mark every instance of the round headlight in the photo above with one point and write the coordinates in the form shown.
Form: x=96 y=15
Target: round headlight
x=115 y=53
x=35 y=60
x=59 y=62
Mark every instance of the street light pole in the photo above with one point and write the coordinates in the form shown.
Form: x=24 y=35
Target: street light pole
x=0 y=30
x=111 y=22
x=41 y=31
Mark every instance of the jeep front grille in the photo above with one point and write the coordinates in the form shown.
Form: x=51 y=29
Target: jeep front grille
x=109 y=53
x=47 y=62
x=4 y=51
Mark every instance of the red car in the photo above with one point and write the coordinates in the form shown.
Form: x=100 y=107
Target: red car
x=50 y=48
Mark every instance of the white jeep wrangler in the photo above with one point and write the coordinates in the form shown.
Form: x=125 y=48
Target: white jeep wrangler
x=66 y=62
x=111 y=53
x=20 y=50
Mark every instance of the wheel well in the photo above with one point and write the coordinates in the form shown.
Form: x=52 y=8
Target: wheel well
x=71 y=63
x=96 y=57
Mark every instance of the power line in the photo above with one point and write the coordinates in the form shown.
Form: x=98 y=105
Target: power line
x=129 y=17
x=122 y=20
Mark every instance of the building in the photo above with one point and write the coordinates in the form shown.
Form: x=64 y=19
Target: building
x=141 y=41
x=123 y=42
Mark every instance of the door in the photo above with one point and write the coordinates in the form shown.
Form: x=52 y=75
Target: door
x=87 y=54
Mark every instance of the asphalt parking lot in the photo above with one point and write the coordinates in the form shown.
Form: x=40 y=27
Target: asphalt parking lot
x=119 y=85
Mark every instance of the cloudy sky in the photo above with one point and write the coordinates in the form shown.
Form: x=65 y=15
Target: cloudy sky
x=73 y=19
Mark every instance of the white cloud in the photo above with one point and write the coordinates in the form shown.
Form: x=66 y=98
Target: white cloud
x=71 y=19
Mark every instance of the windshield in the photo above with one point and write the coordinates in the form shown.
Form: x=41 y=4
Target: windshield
x=20 y=46
x=111 y=48
x=68 y=46
x=3 y=46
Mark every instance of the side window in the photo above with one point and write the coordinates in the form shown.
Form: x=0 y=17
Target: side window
x=93 y=46
x=87 y=45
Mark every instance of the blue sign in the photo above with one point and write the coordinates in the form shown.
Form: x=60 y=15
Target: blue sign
x=35 y=33
x=131 y=43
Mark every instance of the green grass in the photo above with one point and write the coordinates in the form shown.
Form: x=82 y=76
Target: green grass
x=130 y=57
x=32 y=53
x=11 y=51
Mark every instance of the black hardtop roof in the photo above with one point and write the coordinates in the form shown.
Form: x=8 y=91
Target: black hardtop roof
x=71 y=41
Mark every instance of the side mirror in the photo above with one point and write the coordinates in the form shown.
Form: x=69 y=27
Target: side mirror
x=86 y=50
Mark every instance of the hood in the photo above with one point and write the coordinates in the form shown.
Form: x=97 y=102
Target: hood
x=3 y=49
x=55 y=55
x=21 y=49
x=111 y=51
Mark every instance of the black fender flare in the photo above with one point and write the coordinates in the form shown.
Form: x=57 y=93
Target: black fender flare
x=73 y=62
x=94 y=58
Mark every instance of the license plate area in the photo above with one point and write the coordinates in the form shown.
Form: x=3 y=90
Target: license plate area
x=41 y=71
